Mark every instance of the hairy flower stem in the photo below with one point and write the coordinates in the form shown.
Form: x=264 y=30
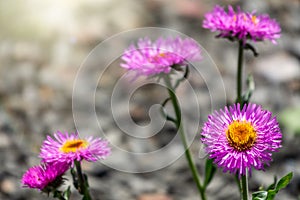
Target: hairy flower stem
x=244 y=180
x=244 y=184
x=239 y=79
x=82 y=182
x=179 y=127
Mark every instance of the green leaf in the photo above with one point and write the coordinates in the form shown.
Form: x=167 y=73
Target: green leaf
x=210 y=170
x=260 y=195
x=271 y=194
x=67 y=193
x=238 y=182
x=86 y=181
x=273 y=185
x=251 y=87
x=248 y=46
x=273 y=188
x=284 y=181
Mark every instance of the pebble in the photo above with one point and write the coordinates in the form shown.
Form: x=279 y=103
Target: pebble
x=8 y=186
x=277 y=68
x=5 y=140
x=154 y=197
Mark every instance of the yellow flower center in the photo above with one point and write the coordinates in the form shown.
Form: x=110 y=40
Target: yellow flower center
x=157 y=57
x=161 y=55
x=241 y=135
x=73 y=145
x=254 y=19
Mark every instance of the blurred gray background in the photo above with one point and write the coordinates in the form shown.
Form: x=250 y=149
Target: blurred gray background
x=44 y=43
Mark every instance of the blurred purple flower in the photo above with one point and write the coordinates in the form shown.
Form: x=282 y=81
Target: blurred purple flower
x=152 y=58
x=239 y=139
x=241 y=25
x=67 y=148
x=43 y=175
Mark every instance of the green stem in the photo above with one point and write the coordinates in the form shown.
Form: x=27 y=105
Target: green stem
x=244 y=179
x=82 y=182
x=244 y=187
x=179 y=126
x=240 y=73
x=238 y=182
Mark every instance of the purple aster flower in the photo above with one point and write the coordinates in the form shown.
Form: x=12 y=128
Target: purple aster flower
x=241 y=25
x=67 y=148
x=43 y=175
x=152 y=58
x=239 y=139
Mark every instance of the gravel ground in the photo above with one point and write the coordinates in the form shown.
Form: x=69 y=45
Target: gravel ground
x=44 y=66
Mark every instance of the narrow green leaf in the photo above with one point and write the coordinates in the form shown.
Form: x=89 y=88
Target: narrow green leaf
x=284 y=181
x=74 y=177
x=67 y=193
x=271 y=194
x=210 y=170
x=248 y=46
x=86 y=181
x=237 y=180
x=273 y=185
x=251 y=87
x=260 y=195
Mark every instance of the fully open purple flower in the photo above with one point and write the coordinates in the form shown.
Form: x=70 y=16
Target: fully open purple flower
x=152 y=58
x=242 y=25
x=239 y=139
x=66 y=148
x=43 y=175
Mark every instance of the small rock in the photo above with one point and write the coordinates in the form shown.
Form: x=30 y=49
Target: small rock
x=24 y=51
x=5 y=141
x=279 y=67
x=154 y=197
x=8 y=186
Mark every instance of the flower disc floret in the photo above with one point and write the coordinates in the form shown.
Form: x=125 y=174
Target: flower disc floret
x=67 y=148
x=241 y=25
x=152 y=58
x=73 y=146
x=241 y=135
x=239 y=139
